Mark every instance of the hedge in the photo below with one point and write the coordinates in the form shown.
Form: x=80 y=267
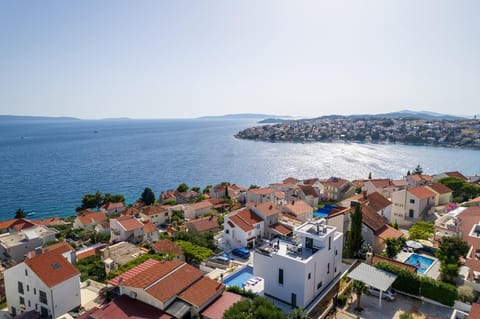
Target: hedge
x=414 y=284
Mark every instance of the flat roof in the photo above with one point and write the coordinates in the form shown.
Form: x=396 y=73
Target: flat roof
x=372 y=276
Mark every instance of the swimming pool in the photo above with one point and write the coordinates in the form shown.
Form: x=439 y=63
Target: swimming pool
x=324 y=211
x=238 y=278
x=421 y=262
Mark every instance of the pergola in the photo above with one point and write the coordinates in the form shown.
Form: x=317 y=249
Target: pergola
x=373 y=277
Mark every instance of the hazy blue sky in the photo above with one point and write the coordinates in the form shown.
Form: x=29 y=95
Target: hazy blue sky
x=155 y=59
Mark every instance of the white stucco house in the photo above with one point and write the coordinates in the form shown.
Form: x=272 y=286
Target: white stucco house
x=47 y=284
x=242 y=228
x=297 y=272
x=410 y=206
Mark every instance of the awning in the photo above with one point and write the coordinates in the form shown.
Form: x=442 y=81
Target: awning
x=413 y=244
x=178 y=308
x=372 y=276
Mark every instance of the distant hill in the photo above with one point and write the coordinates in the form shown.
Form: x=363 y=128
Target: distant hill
x=424 y=115
x=243 y=116
x=36 y=118
x=272 y=120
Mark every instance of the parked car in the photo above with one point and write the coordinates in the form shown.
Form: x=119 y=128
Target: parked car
x=220 y=260
x=241 y=252
x=387 y=295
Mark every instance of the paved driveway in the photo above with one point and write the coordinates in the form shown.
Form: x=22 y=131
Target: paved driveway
x=393 y=309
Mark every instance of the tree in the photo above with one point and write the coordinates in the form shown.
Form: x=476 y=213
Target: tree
x=359 y=288
x=206 y=190
x=20 y=213
x=449 y=251
x=256 y=308
x=252 y=186
x=394 y=245
x=196 y=189
x=421 y=230
x=408 y=173
x=370 y=175
x=92 y=200
x=147 y=197
x=182 y=188
x=194 y=253
x=355 y=239
x=113 y=198
x=418 y=170
x=91 y=267
x=297 y=313
x=467 y=294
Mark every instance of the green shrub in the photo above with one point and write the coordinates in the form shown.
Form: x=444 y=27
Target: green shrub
x=414 y=284
x=466 y=294
x=341 y=300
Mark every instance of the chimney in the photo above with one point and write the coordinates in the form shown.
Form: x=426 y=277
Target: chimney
x=364 y=194
x=270 y=208
x=293 y=202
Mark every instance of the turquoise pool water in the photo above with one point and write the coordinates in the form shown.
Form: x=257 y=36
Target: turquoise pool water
x=421 y=262
x=239 y=277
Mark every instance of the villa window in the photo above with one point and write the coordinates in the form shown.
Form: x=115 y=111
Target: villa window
x=22 y=301
x=328 y=268
x=319 y=285
x=20 y=287
x=43 y=297
x=227 y=231
x=410 y=213
x=26 y=272
x=280 y=276
x=309 y=275
x=329 y=243
x=412 y=201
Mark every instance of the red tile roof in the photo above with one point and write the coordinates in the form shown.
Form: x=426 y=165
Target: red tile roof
x=440 y=188
x=245 y=219
x=175 y=282
x=110 y=205
x=153 y=210
x=134 y=271
x=267 y=208
x=204 y=204
x=49 y=221
x=262 y=191
x=474 y=311
x=422 y=192
x=146 y=277
x=378 y=201
x=389 y=232
x=456 y=174
x=335 y=182
x=374 y=221
x=203 y=224
x=88 y=217
x=149 y=228
x=124 y=307
x=202 y=291
x=217 y=308
x=298 y=208
x=166 y=246
x=381 y=183
x=130 y=211
x=281 y=229
x=129 y=223
x=291 y=180
x=52 y=268
x=309 y=191
x=17 y=224
x=468 y=218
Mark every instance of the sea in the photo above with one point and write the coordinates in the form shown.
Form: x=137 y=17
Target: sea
x=46 y=166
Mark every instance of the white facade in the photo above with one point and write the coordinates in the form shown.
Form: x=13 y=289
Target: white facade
x=407 y=208
x=16 y=245
x=245 y=233
x=59 y=300
x=298 y=272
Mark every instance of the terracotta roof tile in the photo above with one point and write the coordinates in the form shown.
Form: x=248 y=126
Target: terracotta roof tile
x=281 y=229
x=52 y=268
x=110 y=205
x=267 y=208
x=298 y=208
x=309 y=191
x=203 y=224
x=124 y=307
x=456 y=174
x=245 y=219
x=130 y=211
x=202 y=291
x=422 y=192
x=167 y=246
x=201 y=205
x=17 y=224
x=377 y=201
x=381 y=183
x=335 y=182
x=262 y=191
x=175 y=282
x=219 y=306
x=129 y=223
x=440 y=188
x=474 y=311
x=291 y=180
x=149 y=228
x=88 y=217
x=374 y=221
x=153 y=210
x=129 y=274
x=389 y=232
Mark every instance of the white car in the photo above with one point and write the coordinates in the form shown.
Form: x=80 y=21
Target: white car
x=387 y=295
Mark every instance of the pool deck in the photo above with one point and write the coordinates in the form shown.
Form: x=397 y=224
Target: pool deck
x=432 y=272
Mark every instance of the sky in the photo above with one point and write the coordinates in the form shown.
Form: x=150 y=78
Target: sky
x=183 y=59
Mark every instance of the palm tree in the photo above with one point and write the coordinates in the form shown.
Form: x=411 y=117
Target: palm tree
x=20 y=213
x=359 y=288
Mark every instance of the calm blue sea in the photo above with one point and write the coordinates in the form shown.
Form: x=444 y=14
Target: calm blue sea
x=47 y=166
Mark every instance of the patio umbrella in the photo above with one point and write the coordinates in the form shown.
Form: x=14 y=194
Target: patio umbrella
x=413 y=244
x=425 y=242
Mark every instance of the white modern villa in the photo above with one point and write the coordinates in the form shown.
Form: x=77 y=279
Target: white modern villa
x=297 y=271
